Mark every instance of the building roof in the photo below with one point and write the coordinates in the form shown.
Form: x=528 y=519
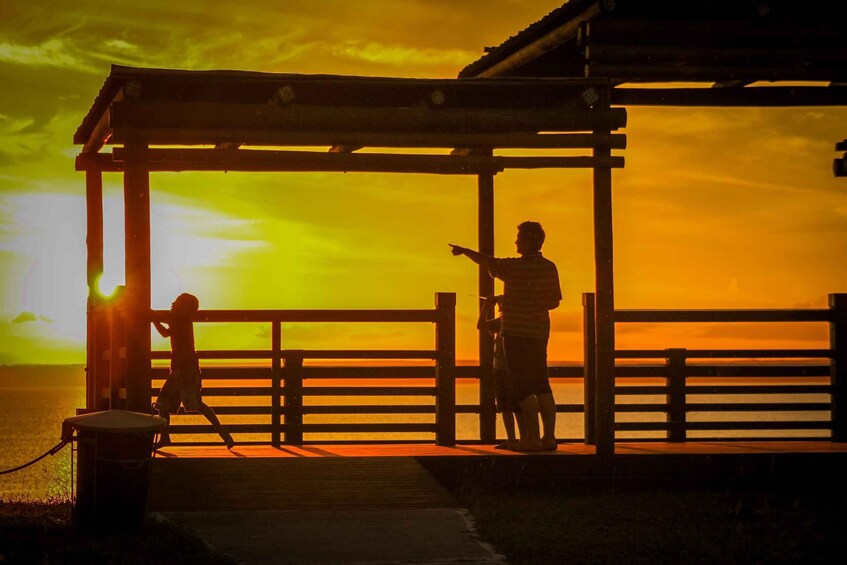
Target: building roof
x=661 y=41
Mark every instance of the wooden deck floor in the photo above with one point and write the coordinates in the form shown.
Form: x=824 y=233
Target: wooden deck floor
x=427 y=450
x=421 y=475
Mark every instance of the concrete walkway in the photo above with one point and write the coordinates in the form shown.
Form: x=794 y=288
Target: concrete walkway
x=377 y=536
x=310 y=510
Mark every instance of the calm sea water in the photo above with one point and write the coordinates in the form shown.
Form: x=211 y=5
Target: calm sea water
x=31 y=419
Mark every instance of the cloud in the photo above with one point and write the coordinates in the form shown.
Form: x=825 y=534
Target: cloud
x=400 y=55
x=25 y=317
x=55 y=52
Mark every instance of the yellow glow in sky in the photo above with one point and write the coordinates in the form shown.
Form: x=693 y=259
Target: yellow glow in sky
x=716 y=208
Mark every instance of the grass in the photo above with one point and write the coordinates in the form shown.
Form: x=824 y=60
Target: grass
x=40 y=532
x=661 y=526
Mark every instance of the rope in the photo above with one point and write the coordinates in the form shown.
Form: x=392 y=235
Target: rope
x=51 y=451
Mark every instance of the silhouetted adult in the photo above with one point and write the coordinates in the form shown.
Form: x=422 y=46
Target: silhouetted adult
x=530 y=290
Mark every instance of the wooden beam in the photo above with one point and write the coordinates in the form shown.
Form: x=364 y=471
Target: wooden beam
x=717 y=56
x=541 y=46
x=765 y=96
x=94 y=269
x=102 y=131
x=706 y=32
x=97 y=162
x=604 y=307
x=699 y=73
x=485 y=229
x=256 y=160
x=366 y=138
x=137 y=299
x=572 y=116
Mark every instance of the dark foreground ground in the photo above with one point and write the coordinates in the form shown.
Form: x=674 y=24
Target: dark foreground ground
x=538 y=525
x=663 y=526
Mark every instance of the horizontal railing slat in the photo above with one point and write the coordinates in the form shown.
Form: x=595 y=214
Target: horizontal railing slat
x=370 y=409
x=314 y=315
x=367 y=372
x=758 y=407
x=728 y=426
x=744 y=315
x=369 y=391
x=223 y=373
x=761 y=389
x=208 y=429
x=230 y=391
x=728 y=353
x=373 y=428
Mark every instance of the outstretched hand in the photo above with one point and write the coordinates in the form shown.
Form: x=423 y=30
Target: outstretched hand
x=456 y=249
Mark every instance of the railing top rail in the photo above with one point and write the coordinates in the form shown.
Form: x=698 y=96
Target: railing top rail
x=748 y=315
x=315 y=315
x=307 y=354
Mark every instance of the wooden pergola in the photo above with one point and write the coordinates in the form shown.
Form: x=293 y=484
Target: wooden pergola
x=731 y=45
x=247 y=121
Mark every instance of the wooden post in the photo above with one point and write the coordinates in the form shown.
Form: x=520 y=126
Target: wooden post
x=94 y=269
x=589 y=367
x=137 y=300
x=445 y=369
x=838 y=365
x=276 y=379
x=294 y=397
x=605 y=298
x=487 y=409
x=676 y=394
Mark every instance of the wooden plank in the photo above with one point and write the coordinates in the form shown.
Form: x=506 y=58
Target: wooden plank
x=706 y=32
x=177 y=136
x=604 y=301
x=370 y=428
x=223 y=373
x=276 y=384
x=371 y=409
x=756 y=389
x=838 y=365
x=356 y=373
x=771 y=96
x=369 y=354
x=369 y=391
x=137 y=268
x=293 y=161
x=445 y=369
x=758 y=407
x=221 y=354
x=204 y=116
x=728 y=353
x=589 y=368
x=230 y=391
x=341 y=315
x=639 y=54
x=485 y=287
x=699 y=73
x=95 y=377
x=757 y=371
x=747 y=315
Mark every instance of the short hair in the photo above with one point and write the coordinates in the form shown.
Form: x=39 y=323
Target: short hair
x=191 y=301
x=533 y=232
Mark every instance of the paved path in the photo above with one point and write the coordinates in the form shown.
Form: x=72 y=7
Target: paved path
x=384 y=510
x=378 y=536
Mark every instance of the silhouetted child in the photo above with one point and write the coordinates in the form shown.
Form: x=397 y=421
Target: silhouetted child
x=507 y=405
x=184 y=381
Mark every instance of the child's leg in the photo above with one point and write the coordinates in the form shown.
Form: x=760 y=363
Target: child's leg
x=213 y=419
x=509 y=425
x=164 y=436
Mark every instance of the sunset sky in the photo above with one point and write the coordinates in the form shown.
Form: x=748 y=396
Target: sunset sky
x=716 y=208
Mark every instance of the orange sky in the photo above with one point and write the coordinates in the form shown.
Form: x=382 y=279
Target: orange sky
x=715 y=208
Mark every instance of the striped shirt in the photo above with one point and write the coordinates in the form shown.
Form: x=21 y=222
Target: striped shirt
x=531 y=289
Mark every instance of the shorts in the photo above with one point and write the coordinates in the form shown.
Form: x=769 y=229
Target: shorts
x=182 y=386
x=503 y=393
x=527 y=361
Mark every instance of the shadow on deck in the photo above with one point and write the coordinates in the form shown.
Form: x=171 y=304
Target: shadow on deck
x=422 y=476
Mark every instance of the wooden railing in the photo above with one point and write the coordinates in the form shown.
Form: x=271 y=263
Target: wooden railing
x=827 y=376
x=287 y=375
